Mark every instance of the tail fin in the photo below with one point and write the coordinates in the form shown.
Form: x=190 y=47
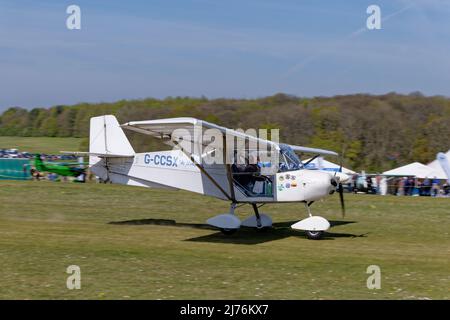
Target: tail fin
x=107 y=137
x=38 y=164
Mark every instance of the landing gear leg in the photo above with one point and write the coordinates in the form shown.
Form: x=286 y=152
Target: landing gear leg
x=313 y=235
x=307 y=206
x=260 y=221
x=232 y=208
x=258 y=217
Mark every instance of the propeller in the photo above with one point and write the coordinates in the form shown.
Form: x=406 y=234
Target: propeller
x=341 y=191
x=341 y=197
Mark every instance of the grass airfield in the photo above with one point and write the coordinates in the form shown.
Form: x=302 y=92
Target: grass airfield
x=48 y=145
x=125 y=252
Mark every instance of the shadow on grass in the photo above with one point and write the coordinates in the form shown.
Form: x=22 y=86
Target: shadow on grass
x=244 y=235
x=163 y=222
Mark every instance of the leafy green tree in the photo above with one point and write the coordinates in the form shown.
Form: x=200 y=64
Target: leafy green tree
x=373 y=133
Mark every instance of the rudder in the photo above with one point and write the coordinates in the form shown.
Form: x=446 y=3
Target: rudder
x=107 y=137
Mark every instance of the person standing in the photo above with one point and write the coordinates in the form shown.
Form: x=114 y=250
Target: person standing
x=369 y=184
x=412 y=186
x=420 y=187
x=383 y=186
x=435 y=187
x=446 y=188
x=426 y=186
x=378 y=182
x=401 y=187
x=407 y=186
x=355 y=183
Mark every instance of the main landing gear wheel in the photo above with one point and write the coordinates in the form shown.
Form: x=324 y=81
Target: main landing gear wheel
x=228 y=231
x=314 y=235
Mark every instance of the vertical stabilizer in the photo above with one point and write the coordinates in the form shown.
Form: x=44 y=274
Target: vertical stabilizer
x=107 y=137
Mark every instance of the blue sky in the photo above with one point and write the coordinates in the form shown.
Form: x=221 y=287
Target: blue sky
x=247 y=48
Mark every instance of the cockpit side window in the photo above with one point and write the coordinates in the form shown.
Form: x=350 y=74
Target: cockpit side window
x=289 y=160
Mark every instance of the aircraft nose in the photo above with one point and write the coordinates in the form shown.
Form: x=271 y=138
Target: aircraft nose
x=320 y=184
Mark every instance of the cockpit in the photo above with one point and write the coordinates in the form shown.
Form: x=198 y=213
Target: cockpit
x=255 y=174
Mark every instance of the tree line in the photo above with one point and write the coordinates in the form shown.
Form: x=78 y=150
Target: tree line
x=374 y=132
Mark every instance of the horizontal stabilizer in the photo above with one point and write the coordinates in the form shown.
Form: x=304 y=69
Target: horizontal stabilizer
x=100 y=155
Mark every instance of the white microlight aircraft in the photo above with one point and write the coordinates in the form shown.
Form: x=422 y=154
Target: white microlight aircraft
x=206 y=159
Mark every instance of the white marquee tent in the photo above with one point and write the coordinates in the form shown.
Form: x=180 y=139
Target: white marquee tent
x=322 y=164
x=416 y=169
x=436 y=166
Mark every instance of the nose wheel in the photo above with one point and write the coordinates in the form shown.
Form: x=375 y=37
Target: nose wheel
x=313 y=226
x=314 y=235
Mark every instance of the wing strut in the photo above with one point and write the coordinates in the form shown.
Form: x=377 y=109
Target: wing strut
x=228 y=168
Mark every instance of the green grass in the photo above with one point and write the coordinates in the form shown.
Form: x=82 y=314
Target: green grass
x=47 y=145
x=45 y=227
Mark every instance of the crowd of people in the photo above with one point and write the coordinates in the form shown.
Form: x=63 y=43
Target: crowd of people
x=399 y=186
x=409 y=186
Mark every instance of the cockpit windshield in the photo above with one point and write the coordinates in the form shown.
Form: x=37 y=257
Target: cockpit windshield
x=289 y=160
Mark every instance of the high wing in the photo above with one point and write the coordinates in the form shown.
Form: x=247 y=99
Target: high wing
x=190 y=129
x=164 y=129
